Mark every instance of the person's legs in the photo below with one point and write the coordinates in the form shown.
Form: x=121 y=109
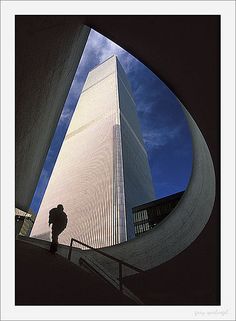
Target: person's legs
x=53 y=247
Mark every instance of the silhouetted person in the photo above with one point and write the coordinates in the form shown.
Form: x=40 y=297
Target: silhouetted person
x=58 y=219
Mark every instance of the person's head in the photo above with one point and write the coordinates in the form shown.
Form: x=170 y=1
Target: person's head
x=60 y=207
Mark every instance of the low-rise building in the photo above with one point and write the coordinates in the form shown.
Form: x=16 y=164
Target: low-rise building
x=148 y=215
x=24 y=222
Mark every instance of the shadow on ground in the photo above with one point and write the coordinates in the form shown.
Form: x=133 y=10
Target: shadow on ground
x=45 y=279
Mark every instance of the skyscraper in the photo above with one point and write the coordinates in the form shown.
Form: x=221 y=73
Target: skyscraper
x=102 y=170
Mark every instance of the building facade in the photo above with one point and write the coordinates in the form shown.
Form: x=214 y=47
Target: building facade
x=102 y=170
x=148 y=215
x=24 y=222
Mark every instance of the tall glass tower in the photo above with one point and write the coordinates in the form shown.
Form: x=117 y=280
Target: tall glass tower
x=102 y=170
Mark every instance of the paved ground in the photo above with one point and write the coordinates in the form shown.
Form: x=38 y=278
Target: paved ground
x=45 y=279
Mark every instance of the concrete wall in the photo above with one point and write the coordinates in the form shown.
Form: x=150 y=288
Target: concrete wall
x=48 y=50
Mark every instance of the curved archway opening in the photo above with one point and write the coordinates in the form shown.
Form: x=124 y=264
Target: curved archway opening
x=165 y=127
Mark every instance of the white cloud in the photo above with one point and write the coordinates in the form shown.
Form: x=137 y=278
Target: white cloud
x=103 y=46
x=160 y=137
x=75 y=87
x=66 y=115
x=128 y=62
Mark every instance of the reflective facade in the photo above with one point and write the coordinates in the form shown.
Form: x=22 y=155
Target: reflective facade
x=147 y=216
x=102 y=169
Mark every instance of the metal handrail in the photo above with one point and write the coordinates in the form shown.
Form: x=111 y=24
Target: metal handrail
x=120 y=262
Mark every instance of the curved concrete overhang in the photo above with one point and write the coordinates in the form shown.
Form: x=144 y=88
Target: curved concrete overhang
x=182 y=226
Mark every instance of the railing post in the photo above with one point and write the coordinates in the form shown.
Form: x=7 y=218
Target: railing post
x=70 y=250
x=120 y=277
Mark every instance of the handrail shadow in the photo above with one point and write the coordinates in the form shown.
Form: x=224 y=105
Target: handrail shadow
x=120 y=262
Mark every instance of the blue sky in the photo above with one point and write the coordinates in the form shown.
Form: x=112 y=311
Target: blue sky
x=165 y=131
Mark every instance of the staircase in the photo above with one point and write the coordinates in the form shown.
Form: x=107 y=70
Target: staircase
x=46 y=279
